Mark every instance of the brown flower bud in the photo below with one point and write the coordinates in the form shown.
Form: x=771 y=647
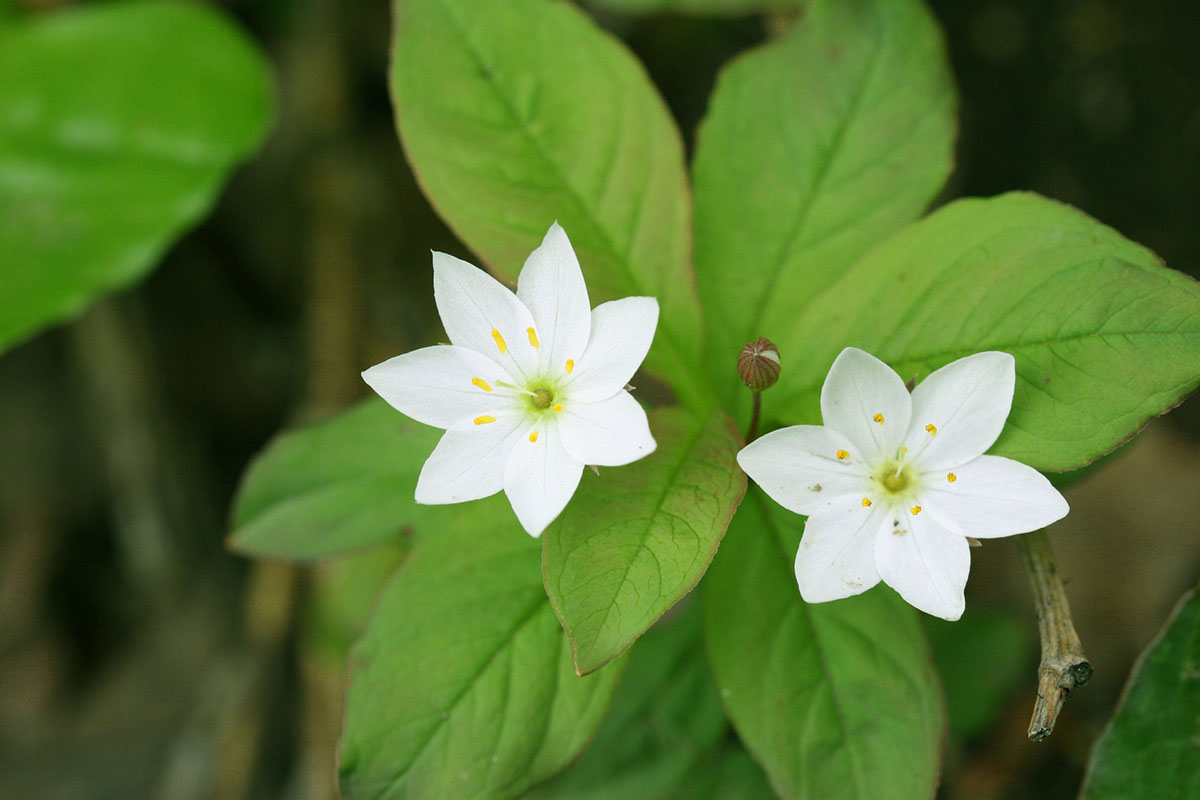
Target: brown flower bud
x=758 y=364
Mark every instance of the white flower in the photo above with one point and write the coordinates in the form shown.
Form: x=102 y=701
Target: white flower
x=531 y=388
x=893 y=483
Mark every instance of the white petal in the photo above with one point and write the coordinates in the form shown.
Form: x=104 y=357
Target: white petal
x=837 y=553
x=610 y=433
x=992 y=496
x=468 y=463
x=479 y=312
x=866 y=401
x=622 y=331
x=551 y=286
x=799 y=468
x=434 y=385
x=968 y=401
x=925 y=563
x=539 y=479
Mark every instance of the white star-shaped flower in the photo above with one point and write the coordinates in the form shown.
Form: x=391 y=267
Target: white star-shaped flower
x=531 y=387
x=893 y=483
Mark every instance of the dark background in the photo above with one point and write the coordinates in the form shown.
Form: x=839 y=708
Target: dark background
x=138 y=658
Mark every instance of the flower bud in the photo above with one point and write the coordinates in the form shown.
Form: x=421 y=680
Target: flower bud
x=758 y=364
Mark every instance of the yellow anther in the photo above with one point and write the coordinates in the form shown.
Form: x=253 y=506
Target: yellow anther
x=878 y=418
x=503 y=345
x=915 y=510
x=866 y=503
x=932 y=429
x=951 y=477
x=558 y=406
x=484 y=420
x=533 y=436
x=842 y=455
x=532 y=337
x=570 y=366
x=481 y=383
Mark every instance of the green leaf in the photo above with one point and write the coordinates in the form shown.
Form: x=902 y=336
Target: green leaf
x=706 y=7
x=515 y=113
x=119 y=124
x=336 y=486
x=666 y=719
x=462 y=687
x=1152 y=746
x=835 y=699
x=815 y=147
x=1105 y=337
x=636 y=539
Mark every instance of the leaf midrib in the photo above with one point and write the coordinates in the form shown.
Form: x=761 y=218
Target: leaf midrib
x=618 y=256
x=643 y=535
x=469 y=684
x=825 y=168
x=856 y=767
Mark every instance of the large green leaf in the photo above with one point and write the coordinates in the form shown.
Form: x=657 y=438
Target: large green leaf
x=462 y=687
x=815 y=147
x=1152 y=746
x=836 y=700
x=666 y=718
x=636 y=539
x=1104 y=336
x=335 y=486
x=515 y=113
x=119 y=123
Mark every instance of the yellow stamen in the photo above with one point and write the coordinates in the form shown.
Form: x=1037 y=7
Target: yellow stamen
x=915 y=510
x=878 y=418
x=503 y=345
x=932 y=429
x=532 y=337
x=866 y=503
x=951 y=477
x=842 y=455
x=481 y=383
x=570 y=366
x=484 y=420
x=558 y=406
x=533 y=436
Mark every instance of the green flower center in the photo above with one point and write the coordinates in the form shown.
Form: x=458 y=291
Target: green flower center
x=896 y=478
x=541 y=398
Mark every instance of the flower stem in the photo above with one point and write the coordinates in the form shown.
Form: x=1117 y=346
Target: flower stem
x=752 y=431
x=1064 y=666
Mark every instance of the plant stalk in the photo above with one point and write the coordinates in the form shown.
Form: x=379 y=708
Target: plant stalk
x=1064 y=666
x=752 y=431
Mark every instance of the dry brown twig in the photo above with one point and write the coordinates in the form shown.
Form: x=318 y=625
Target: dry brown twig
x=1064 y=666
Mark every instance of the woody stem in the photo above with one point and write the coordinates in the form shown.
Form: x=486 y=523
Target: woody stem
x=1064 y=665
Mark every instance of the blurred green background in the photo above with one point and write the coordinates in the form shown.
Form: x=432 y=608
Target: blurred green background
x=138 y=658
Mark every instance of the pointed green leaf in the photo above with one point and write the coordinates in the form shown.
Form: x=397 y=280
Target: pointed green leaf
x=666 y=718
x=1104 y=336
x=635 y=539
x=815 y=147
x=119 y=124
x=336 y=486
x=462 y=687
x=1152 y=746
x=835 y=700
x=517 y=113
